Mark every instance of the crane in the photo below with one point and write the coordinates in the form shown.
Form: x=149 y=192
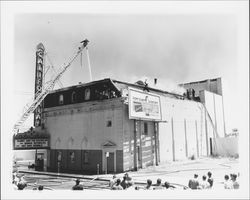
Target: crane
x=42 y=93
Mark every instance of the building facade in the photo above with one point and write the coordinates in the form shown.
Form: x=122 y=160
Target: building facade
x=92 y=129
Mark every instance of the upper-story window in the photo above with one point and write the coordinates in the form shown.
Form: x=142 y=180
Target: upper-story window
x=60 y=99
x=87 y=94
x=145 y=128
x=73 y=97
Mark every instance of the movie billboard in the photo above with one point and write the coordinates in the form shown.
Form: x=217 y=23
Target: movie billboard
x=144 y=105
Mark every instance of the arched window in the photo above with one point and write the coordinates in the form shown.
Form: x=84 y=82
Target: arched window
x=87 y=94
x=73 y=97
x=60 y=99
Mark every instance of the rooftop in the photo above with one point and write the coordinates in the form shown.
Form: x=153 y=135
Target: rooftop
x=119 y=85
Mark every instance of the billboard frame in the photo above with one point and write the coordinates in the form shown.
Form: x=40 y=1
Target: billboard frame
x=143 y=93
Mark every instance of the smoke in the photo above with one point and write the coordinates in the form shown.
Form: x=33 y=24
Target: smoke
x=162 y=84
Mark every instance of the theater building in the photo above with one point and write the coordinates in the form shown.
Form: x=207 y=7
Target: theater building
x=109 y=126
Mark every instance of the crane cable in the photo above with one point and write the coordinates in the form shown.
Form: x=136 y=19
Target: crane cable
x=90 y=73
x=89 y=66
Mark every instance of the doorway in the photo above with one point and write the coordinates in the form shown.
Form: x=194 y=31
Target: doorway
x=110 y=162
x=39 y=162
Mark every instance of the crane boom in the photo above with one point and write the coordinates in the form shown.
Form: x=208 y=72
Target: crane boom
x=40 y=95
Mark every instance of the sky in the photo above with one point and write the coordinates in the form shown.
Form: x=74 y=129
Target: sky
x=174 y=48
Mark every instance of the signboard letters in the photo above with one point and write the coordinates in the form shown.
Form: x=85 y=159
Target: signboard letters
x=38 y=143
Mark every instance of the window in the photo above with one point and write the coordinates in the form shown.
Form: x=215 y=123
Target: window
x=60 y=99
x=145 y=128
x=87 y=94
x=156 y=127
x=85 y=157
x=59 y=156
x=72 y=156
x=109 y=123
x=73 y=97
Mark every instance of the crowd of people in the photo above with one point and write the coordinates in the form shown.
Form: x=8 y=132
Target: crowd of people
x=19 y=183
x=207 y=182
x=231 y=183
x=128 y=184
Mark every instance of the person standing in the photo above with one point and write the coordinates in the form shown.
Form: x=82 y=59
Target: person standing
x=235 y=183
x=210 y=180
x=227 y=182
x=149 y=185
x=77 y=186
x=117 y=185
x=112 y=181
x=204 y=183
x=194 y=183
x=158 y=185
x=124 y=182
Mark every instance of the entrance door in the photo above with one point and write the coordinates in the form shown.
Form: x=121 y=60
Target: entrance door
x=39 y=162
x=110 y=163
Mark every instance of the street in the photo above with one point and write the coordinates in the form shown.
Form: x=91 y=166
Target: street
x=177 y=173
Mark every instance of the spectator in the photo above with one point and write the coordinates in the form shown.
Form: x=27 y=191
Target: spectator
x=204 y=183
x=77 y=186
x=194 y=183
x=124 y=182
x=112 y=181
x=227 y=183
x=158 y=185
x=40 y=187
x=15 y=178
x=128 y=178
x=210 y=180
x=149 y=185
x=235 y=184
x=21 y=185
x=231 y=177
x=117 y=185
x=168 y=186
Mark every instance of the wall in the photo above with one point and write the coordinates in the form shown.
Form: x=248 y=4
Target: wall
x=226 y=146
x=81 y=127
x=212 y=85
x=145 y=143
x=183 y=134
x=214 y=106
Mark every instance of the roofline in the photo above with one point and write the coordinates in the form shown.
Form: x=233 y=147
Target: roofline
x=150 y=88
x=80 y=85
x=113 y=82
x=203 y=81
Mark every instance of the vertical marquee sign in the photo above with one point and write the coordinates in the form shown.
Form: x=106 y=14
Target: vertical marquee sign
x=39 y=83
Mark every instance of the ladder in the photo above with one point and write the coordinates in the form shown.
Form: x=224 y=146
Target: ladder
x=215 y=132
x=41 y=94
